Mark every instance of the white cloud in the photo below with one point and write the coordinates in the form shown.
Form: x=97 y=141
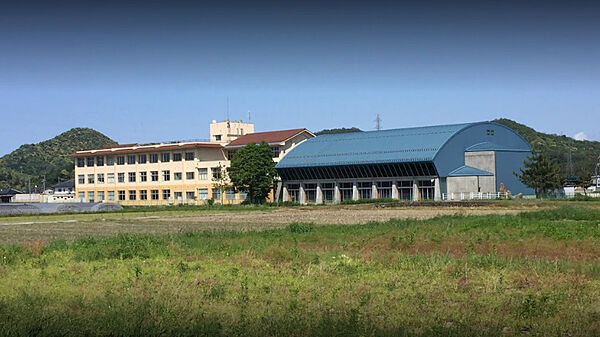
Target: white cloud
x=581 y=136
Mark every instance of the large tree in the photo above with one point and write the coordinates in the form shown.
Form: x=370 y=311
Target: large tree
x=540 y=173
x=253 y=169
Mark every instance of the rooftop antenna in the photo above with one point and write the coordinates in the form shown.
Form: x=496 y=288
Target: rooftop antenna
x=377 y=123
x=570 y=164
x=249 y=119
x=227 y=107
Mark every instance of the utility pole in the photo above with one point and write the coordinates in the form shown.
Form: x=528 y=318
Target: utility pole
x=377 y=123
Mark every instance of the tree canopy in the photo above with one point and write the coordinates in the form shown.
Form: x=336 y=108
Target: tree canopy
x=253 y=169
x=540 y=173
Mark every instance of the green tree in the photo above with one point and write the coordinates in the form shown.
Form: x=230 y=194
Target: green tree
x=220 y=181
x=253 y=168
x=540 y=173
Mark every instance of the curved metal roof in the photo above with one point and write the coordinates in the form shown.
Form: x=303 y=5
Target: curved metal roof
x=417 y=144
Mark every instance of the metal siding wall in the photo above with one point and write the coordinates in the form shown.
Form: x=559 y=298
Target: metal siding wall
x=451 y=156
x=506 y=164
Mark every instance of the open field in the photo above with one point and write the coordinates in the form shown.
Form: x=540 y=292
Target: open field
x=171 y=220
x=469 y=274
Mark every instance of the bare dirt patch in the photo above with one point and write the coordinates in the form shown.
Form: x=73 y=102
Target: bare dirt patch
x=233 y=221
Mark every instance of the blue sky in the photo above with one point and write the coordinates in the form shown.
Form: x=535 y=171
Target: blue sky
x=158 y=71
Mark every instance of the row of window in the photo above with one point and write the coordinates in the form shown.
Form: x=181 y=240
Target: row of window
x=133 y=159
x=132 y=195
x=143 y=176
x=426 y=189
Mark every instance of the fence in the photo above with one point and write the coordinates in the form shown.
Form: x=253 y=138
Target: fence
x=475 y=196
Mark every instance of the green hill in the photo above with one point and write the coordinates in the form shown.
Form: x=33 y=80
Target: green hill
x=49 y=158
x=584 y=153
x=337 y=130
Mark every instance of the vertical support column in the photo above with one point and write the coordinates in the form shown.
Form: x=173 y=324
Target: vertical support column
x=354 y=191
x=285 y=196
x=374 y=190
x=302 y=196
x=415 y=191
x=319 y=197
x=336 y=193
x=437 y=191
x=394 y=190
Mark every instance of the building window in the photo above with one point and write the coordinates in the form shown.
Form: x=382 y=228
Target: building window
x=121 y=177
x=143 y=176
x=80 y=162
x=176 y=156
x=142 y=159
x=91 y=196
x=230 y=194
x=178 y=195
x=346 y=191
x=189 y=195
x=230 y=154
x=131 y=177
x=310 y=190
x=100 y=161
x=154 y=157
x=489 y=132
x=218 y=138
x=90 y=161
x=111 y=195
x=90 y=178
x=328 y=189
x=131 y=194
x=120 y=160
x=166 y=194
x=81 y=196
x=426 y=189
x=294 y=192
x=154 y=175
x=121 y=195
x=100 y=195
x=166 y=175
x=202 y=194
x=189 y=156
x=176 y=175
x=275 y=151
x=100 y=178
x=166 y=157
x=131 y=159
x=216 y=194
x=154 y=194
x=110 y=160
x=81 y=179
x=203 y=173
x=216 y=173
x=384 y=189
x=405 y=190
x=143 y=195
x=110 y=178
x=365 y=189
x=189 y=175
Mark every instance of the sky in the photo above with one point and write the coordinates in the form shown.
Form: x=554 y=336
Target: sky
x=159 y=71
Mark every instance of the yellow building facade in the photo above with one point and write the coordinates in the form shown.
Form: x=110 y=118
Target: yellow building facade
x=173 y=173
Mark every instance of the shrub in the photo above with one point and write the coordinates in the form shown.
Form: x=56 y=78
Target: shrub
x=300 y=227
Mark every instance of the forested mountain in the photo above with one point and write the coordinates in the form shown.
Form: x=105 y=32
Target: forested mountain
x=31 y=162
x=584 y=153
x=337 y=130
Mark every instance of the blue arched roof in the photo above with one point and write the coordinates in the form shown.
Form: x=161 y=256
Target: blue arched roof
x=418 y=144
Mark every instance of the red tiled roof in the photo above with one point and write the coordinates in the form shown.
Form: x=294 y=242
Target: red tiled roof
x=268 y=137
x=145 y=148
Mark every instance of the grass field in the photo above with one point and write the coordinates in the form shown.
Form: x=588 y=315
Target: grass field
x=534 y=273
